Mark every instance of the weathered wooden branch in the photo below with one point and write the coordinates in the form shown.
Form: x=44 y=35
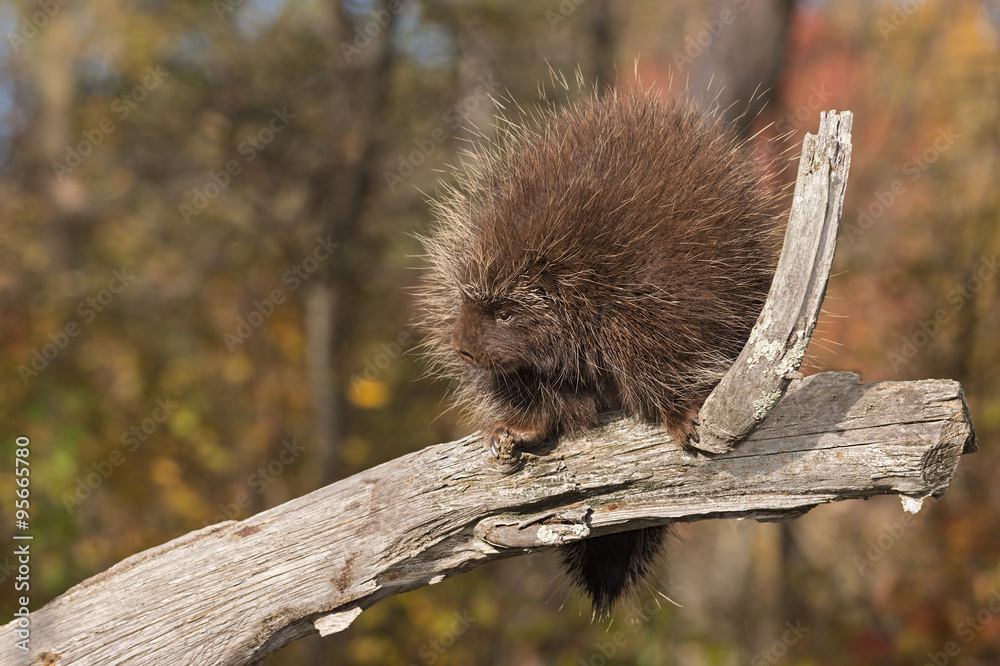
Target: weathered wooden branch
x=778 y=342
x=235 y=592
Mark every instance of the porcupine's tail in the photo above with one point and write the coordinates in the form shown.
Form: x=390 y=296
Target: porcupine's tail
x=609 y=566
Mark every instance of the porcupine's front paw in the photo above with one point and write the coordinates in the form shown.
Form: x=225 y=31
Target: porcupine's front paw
x=504 y=441
x=684 y=429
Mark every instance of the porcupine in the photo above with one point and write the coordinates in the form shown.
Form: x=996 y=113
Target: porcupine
x=613 y=255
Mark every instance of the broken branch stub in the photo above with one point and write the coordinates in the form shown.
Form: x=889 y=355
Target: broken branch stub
x=773 y=353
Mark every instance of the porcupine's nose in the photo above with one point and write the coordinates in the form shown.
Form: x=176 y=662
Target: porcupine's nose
x=466 y=338
x=459 y=344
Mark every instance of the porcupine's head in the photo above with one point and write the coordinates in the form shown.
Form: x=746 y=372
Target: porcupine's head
x=493 y=305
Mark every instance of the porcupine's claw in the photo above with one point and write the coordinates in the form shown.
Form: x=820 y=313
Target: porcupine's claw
x=502 y=445
x=684 y=431
x=504 y=441
x=692 y=436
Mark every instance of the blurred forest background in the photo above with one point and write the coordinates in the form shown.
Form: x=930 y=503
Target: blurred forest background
x=206 y=244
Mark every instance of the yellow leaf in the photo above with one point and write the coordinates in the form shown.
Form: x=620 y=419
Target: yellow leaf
x=166 y=472
x=367 y=394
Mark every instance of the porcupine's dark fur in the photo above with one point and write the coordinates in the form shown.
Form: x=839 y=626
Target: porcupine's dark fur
x=611 y=256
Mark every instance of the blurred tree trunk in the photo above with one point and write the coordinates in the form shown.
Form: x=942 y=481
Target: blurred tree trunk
x=745 y=60
x=605 y=33
x=50 y=64
x=477 y=57
x=357 y=97
x=741 y=69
